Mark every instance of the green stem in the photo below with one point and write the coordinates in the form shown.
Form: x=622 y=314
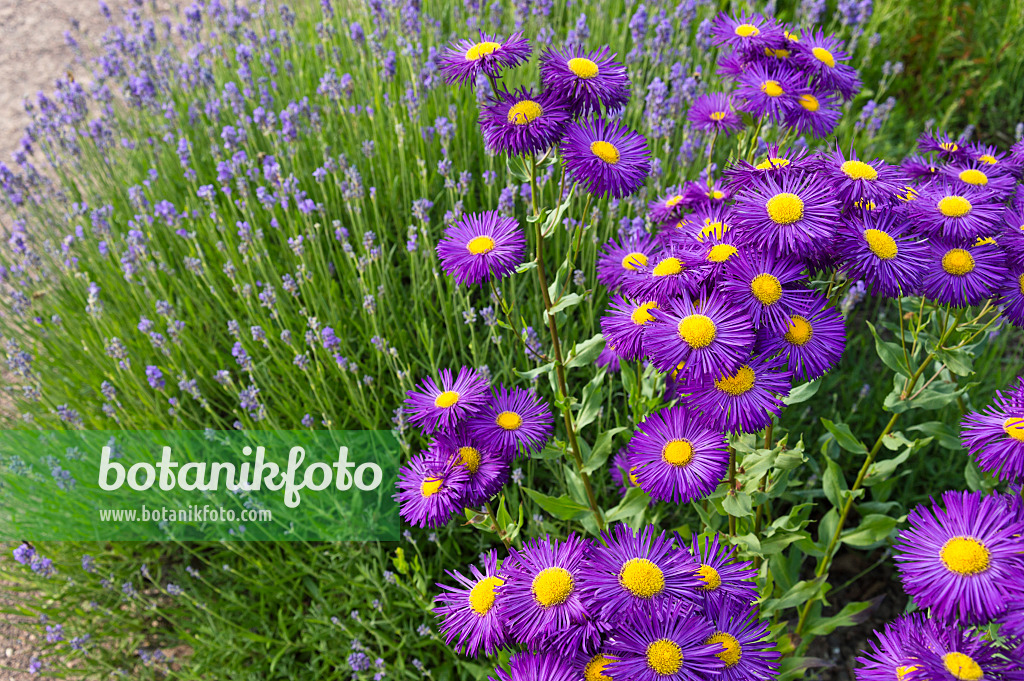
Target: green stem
x=498 y=529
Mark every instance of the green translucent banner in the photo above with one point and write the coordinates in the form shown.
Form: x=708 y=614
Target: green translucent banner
x=198 y=485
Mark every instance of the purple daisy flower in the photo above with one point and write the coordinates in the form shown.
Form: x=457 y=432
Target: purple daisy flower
x=609 y=359
x=542 y=590
x=701 y=195
x=622 y=472
x=522 y=122
x=621 y=261
x=631 y=574
x=741 y=399
x=891 y=656
x=488 y=468
x=776 y=163
x=594 y=667
x=714 y=113
x=464 y=60
x=513 y=422
x=1011 y=296
x=749 y=34
x=995 y=435
x=708 y=220
x=718 y=252
x=723 y=578
x=855 y=180
x=607 y=158
x=669 y=207
x=707 y=335
x=624 y=326
x=962 y=559
x=525 y=666
x=585 y=636
x=814 y=342
x=442 y=406
x=878 y=248
x=770 y=92
x=430 y=491
x=746 y=654
x=586 y=80
x=822 y=56
x=764 y=287
x=920 y=169
x=944 y=146
x=962 y=276
x=675 y=457
x=948 y=212
x=468 y=615
x=666 y=647
x=481 y=246
x=675 y=271
x=987 y=154
x=980 y=175
x=953 y=654
x=1011 y=237
x=816 y=113
x=792 y=216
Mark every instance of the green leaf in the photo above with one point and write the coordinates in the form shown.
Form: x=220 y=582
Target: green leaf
x=872 y=529
x=563 y=507
x=834 y=483
x=960 y=361
x=852 y=614
x=945 y=435
x=802 y=392
x=890 y=353
x=586 y=352
x=634 y=502
x=593 y=399
x=567 y=301
x=602 y=449
x=554 y=217
x=845 y=437
x=534 y=373
x=526 y=266
x=798 y=594
x=738 y=505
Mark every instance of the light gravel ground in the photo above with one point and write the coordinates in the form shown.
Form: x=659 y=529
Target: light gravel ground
x=32 y=56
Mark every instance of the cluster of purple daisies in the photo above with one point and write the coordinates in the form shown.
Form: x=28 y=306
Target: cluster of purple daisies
x=475 y=435
x=797 y=80
x=636 y=605
x=962 y=560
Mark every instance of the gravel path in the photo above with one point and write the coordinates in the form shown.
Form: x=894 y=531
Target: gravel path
x=33 y=55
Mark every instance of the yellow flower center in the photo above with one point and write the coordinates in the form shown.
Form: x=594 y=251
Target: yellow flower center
x=741 y=382
x=481 y=50
x=479 y=245
x=772 y=88
x=766 y=288
x=677 y=452
x=674 y=201
x=524 y=111
x=1013 y=426
x=785 y=208
x=709 y=575
x=716 y=194
x=988 y=158
x=772 y=162
x=605 y=151
x=634 y=260
x=430 y=486
x=668 y=267
x=800 y=331
x=881 y=244
x=482 y=595
x=779 y=53
x=792 y=36
x=949 y=146
x=903 y=670
x=713 y=227
x=747 y=30
x=958 y=262
x=446 y=399
x=962 y=667
x=509 y=420
x=972 y=176
x=721 y=252
x=632 y=476
x=470 y=458
x=824 y=56
x=594 y=671
x=1020 y=283
x=642 y=313
x=583 y=68
x=859 y=170
x=717 y=115
x=809 y=102
x=964 y=556
x=665 y=657
x=732 y=651
x=552 y=586
x=642 y=578
x=697 y=330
